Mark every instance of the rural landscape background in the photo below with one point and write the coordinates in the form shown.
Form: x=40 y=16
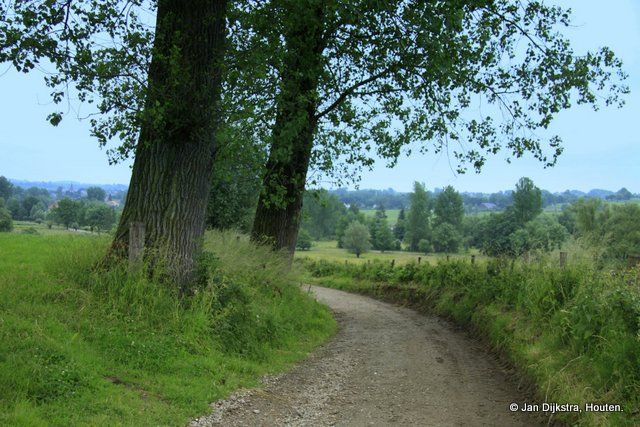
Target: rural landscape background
x=474 y=161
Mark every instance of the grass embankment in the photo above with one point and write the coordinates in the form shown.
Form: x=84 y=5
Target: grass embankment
x=572 y=332
x=328 y=250
x=86 y=348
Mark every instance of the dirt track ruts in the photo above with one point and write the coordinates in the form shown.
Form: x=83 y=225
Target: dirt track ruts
x=387 y=365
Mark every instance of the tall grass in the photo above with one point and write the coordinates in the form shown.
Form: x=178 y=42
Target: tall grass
x=87 y=347
x=574 y=331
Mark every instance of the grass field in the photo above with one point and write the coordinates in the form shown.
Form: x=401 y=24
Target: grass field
x=392 y=214
x=328 y=250
x=86 y=347
x=21 y=226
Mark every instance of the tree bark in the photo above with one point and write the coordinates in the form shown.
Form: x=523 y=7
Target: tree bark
x=172 y=170
x=277 y=216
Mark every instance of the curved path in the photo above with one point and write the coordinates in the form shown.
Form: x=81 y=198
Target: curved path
x=387 y=365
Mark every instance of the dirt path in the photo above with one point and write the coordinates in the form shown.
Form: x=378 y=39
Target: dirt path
x=387 y=365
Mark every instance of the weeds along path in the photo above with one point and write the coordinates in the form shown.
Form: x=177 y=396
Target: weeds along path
x=387 y=365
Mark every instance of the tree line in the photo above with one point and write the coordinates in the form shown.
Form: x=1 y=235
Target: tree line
x=439 y=224
x=38 y=205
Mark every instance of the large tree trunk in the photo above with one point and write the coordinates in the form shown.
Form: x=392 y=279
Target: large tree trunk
x=278 y=213
x=172 y=169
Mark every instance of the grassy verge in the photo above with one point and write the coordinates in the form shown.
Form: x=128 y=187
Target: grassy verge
x=86 y=348
x=573 y=332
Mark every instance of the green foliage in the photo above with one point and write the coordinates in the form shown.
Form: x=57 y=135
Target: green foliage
x=6 y=222
x=321 y=213
x=381 y=235
x=96 y=194
x=353 y=214
x=446 y=238
x=573 y=331
x=86 y=347
x=622 y=231
x=99 y=217
x=304 y=242
x=67 y=212
x=425 y=246
x=399 y=229
x=6 y=188
x=418 y=218
x=357 y=239
x=448 y=208
x=527 y=201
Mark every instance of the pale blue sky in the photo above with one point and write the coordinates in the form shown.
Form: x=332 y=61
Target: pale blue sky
x=602 y=149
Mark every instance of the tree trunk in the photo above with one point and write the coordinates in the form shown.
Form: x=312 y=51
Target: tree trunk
x=280 y=203
x=173 y=164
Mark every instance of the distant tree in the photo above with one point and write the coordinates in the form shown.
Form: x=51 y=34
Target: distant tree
x=381 y=235
x=417 y=225
x=352 y=214
x=96 y=193
x=321 y=212
x=17 y=209
x=6 y=188
x=448 y=208
x=400 y=228
x=67 y=212
x=496 y=240
x=6 y=223
x=99 y=217
x=622 y=231
x=357 y=238
x=621 y=195
x=425 y=246
x=527 y=200
x=446 y=238
x=304 y=240
x=586 y=217
x=545 y=233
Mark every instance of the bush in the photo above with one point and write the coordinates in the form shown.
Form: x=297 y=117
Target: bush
x=425 y=246
x=6 y=222
x=30 y=230
x=446 y=238
x=304 y=240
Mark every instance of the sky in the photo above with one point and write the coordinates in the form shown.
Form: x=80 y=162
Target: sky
x=601 y=149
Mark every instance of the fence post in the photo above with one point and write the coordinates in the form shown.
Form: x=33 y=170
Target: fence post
x=136 y=242
x=393 y=263
x=419 y=259
x=473 y=259
x=563 y=259
x=447 y=257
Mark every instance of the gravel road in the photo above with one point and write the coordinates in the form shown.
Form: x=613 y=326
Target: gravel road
x=387 y=365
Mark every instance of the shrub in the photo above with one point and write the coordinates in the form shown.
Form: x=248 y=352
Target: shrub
x=6 y=222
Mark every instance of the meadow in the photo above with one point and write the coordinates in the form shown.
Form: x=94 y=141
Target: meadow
x=86 y=346
x=328 y=250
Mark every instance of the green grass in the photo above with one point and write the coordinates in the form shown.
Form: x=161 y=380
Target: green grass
x=392 y=214
x=573 y=332
x=80 y=347
x=328 y=250
x=21 y=226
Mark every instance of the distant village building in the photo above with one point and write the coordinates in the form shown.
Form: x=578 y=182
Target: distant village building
x=113 y=203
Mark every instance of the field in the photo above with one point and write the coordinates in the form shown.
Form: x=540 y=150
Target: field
x=328 y=250
x=84 y=346
x=21 y=226
x=392 y=214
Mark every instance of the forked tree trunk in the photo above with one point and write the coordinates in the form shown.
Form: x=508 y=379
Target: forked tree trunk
x=172 y=169
x=278 y=213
